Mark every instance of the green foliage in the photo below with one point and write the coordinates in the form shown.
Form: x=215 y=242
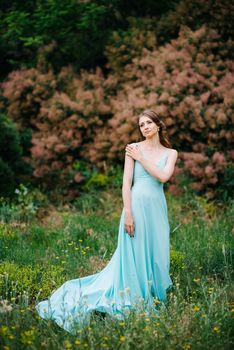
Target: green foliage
x=215 y=14
x=77 y=30
x=97 y=180
x=124 y=45
x=31 y=280
x=115 y=174
x=12 y=166
x=25 y=205
x=177 y=260
x=198 y=311
x=225 y=191
x=7 y=182
x=7 y=231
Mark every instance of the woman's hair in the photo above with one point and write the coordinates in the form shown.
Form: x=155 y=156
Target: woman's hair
x=162 y=127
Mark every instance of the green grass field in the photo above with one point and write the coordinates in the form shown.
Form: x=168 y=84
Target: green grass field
x=73 y=241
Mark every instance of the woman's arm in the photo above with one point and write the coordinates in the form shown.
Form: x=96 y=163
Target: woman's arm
x=163 y=175
x=126 y=193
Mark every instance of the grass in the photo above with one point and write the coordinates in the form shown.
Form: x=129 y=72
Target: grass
x=37 y=257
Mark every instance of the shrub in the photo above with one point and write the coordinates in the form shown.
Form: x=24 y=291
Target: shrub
x=226 y=188
x=177 y=260
x=216 y=14
x=7 y=231
x=25 y=91
x=7 y=182
x=12 y=165
x=124 y=45
x=33 y=280
x=25 y=30
x=97 y=180
x=31 y=33
x=188 y=82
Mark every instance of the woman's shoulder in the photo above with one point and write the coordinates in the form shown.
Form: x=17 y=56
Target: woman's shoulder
x=173 y=152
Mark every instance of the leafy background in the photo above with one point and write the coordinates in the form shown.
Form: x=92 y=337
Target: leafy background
x=76 y=74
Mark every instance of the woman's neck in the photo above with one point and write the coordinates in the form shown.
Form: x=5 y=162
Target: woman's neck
x=153 y=144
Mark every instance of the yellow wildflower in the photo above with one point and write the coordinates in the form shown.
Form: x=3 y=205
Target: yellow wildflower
x=216 y=329
x=156 y=301
x=122 y=338
x=196 y=308
x=77 y=342
x=67 y=344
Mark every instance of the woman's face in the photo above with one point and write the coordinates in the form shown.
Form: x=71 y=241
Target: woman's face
x=147 y=127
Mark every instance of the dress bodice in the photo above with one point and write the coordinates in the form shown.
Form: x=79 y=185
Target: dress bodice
x=140 y=173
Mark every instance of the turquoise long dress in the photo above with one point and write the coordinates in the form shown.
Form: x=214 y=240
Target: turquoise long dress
x=138 y=272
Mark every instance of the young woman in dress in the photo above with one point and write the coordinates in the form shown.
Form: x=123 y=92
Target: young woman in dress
x=139 y=268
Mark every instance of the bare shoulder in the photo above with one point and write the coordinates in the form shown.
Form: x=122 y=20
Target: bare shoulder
x=173 y=153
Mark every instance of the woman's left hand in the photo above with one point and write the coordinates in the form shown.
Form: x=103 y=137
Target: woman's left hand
x=134 y=152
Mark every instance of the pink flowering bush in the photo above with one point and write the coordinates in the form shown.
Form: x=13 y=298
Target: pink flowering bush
x=89 y=116
x=216 y=14
x=124 y=46
x=190 y=83
x=25 y=90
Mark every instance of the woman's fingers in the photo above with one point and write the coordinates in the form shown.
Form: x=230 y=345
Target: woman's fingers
x=128 y=148
x=130 y=229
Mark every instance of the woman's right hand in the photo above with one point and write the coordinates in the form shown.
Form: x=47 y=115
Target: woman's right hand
x=129 y=224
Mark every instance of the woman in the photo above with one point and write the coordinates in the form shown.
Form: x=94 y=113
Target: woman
x=139 y=268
